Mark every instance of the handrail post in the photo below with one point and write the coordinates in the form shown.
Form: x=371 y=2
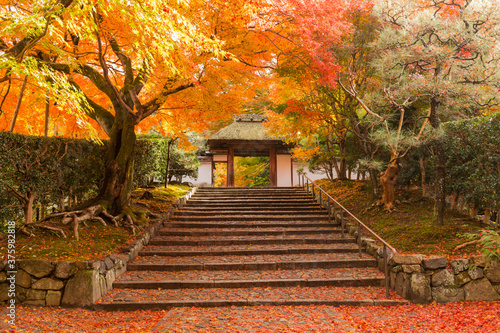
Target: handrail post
x=329 y=211
x=359 y=240
x=386 y=272
x=312 y=186
x=342 y=222
x=320 y=197
x=307 y=186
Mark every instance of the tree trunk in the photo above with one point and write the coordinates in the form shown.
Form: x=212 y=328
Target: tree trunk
x=440 y=193
x=462 y=205
x=388 y=179
x=169 y=146
x=28 y=207
x=47 y=110
x=115 y=193
x=454 y=202
x=18 y=105
x=422 y=172
x=487 y=214
x=374 y=182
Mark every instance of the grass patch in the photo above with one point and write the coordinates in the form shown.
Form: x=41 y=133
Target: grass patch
x=410 y=228
x=163 y=198
x=96 y=240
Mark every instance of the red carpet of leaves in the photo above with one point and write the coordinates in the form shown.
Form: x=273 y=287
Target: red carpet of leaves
x=453 y=317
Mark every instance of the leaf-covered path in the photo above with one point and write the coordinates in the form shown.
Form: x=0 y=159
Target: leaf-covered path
x=464 y=317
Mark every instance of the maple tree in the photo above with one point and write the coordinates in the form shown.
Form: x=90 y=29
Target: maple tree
x=320 y=109
x=114 y=68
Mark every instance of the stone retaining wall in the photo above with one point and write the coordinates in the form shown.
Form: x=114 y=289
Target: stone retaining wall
x=72 y=284
x=423 y=280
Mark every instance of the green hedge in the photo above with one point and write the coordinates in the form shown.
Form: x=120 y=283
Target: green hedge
x=53 y=167
x=473 y=160
x=151 y=160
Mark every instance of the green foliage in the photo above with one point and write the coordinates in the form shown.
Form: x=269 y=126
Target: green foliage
x=151 y=160
x=252 y=171
x=489 y=241
x=473 y=164
x=46 y=167
x=53 y=168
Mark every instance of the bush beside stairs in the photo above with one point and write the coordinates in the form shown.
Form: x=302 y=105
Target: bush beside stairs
x=249 y=246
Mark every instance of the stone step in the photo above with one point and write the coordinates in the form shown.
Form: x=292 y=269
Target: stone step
x=247 y=232
x=251 y=224
x=249 y=189
x=236 y=210
x=269 y=258
x=149 y=299
x=244 y=201
x=253 y=193
x=236 y=213
x=236 y=250
x=245 y=240
x=338 y=276
x=316 y=217
x=257 y=265
x=249 y=205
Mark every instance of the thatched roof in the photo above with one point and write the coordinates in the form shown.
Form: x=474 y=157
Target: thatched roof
x=245 y=127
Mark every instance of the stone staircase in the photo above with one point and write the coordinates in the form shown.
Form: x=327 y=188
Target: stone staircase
x=249 y=246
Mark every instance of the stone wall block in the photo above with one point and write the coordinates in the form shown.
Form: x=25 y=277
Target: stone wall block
x=399 y=282
x=462 y=278
x=409 y=259
x=108 y=263
x=21 y=293
x=3 y=277
x=443 y=278
x=37 y=268
x=110 y=278
x=102 y=285
x=406 y=286
x=392 y=280
x=445 y=294
x=23 y=279
x=410 y=269
x=478 y=260
x=460 y=265
x=493 y=274
x=3 y=263
x=435 y=263
x=476 y=273
x=39 y=302
x=420 y=289
x=497 y=288
x=480 y=290
x=48 y=284
x=65 y=270
x=33 y=294
x=82 y=290
x=4 y=292
x=53 y=298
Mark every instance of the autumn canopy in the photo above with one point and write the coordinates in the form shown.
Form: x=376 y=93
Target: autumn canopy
x=113 y=69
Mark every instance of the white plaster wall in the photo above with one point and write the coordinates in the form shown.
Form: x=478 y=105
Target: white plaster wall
x=204 y=175
x=312 y=175
x=284 y=170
